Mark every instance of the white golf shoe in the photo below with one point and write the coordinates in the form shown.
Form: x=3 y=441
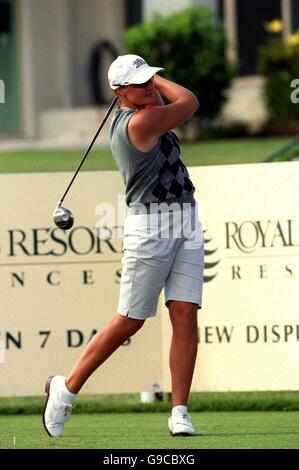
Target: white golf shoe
x=180 y=424
x=57 y=411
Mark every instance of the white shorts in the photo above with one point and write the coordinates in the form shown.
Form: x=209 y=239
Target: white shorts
x=161 y=250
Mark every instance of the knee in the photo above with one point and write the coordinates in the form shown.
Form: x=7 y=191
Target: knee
x=127 y=325
x=183 y=316
x=131 y=325
x=136 y=325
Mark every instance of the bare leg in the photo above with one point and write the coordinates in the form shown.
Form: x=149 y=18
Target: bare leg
x=183 y=350
x=100 y=347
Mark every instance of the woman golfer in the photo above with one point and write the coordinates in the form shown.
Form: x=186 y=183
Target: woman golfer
x=162 y=239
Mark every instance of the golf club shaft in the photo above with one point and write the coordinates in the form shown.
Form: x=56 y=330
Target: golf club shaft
x=89 y=148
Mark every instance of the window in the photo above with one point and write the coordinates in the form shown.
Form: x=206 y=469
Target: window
x=133 y=12
x=5 y=17
x=295 y=14
x=251 y=33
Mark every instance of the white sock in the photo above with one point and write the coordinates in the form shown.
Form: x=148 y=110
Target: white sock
x=180 y=408
x=66 y=395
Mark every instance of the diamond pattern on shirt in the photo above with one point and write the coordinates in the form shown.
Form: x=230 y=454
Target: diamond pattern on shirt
x=173 y=175
x=176 y=188
x=160 y=192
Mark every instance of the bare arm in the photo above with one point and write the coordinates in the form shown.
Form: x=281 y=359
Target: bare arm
x=151 y=122
x=184 y=100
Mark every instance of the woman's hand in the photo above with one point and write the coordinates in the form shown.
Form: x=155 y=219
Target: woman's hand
x=154 y=120
x=149 y=123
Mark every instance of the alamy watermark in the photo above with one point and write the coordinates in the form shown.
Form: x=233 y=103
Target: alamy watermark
x=156 y=220
x=295 y=93
x=2 y=92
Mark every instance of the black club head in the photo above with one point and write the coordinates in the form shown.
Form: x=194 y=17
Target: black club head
x=63 y=218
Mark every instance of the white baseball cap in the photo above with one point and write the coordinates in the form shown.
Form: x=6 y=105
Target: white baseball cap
x=130 y=69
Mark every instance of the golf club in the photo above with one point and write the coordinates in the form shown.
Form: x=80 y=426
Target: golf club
x=62 y=216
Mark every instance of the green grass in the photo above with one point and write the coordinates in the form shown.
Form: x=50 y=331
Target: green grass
x=238 y=430
x=215 y=152
x=125 y=403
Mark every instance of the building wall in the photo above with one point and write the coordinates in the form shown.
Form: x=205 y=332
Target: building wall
x=55 y=41
x=49 y=52
x=92 y=21
x=44 y=44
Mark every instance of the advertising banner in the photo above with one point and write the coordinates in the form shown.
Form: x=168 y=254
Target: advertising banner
x=59 y=287
x=249 y=324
